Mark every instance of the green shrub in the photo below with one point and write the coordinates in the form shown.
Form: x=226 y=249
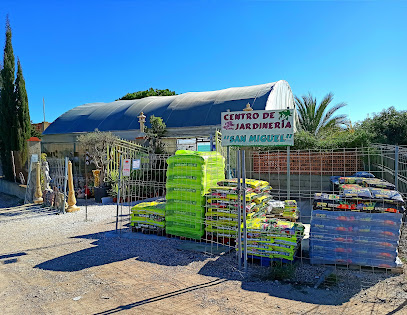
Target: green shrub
x=279 y=271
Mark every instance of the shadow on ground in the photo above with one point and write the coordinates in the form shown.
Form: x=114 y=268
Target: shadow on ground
x=110 y=247
x=349 y=284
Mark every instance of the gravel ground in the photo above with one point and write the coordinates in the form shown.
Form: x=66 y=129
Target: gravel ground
x=60 y=264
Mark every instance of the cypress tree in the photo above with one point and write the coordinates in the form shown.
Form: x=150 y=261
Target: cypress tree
x=7 y=124
x=23 y=113
x=1 y=121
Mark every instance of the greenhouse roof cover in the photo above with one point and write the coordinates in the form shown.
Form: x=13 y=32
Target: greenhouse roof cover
x=192 y=109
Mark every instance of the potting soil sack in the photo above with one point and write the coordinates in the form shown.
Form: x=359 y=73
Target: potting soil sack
x=252 y=183
x=374 y=204
x=354 y=191
x=147 y=220
x=377 y=183
x=390 y=196
x=363 y=174
x=157 y=208
x=189 y=176
x=273 y=238
x=351 y=180
x=148 y=214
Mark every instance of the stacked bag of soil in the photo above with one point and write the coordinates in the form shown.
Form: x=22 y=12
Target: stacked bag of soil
x=189 y=176
x=359 y=226
x=364 y=179
x=273 y=238
x=222 y=206
x=354 y=238
x=148 y=215
x=286 y=209
x=357 y=198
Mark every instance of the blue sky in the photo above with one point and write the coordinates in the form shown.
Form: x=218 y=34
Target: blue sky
x=96 y=51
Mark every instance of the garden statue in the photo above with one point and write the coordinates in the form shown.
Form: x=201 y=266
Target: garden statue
x=47 y=178
x=248 y=108
x=49 y=198
x=48 y=194
x=38 y=193
x=59 y=200
x=71 y=194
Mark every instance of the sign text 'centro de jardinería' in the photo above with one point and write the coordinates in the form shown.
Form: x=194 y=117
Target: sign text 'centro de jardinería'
x=260 y=127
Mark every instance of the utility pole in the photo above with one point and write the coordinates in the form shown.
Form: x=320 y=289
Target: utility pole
x=43 y=110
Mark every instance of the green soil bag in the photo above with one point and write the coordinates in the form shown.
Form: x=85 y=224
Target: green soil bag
x=185 y=232
x=185 y=194
x=136 y=220
x=176 y=205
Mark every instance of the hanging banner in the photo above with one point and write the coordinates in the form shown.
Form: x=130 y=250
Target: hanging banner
x=258 y=128
x=126 y=167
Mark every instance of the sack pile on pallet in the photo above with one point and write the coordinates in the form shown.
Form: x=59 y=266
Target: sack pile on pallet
x=364 y=179
x=222 y=206
x=273 y=238
x=149 y=215
x=189 y=176
x=359 y=226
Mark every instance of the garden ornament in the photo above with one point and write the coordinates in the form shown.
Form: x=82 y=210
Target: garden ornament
x=71 y=194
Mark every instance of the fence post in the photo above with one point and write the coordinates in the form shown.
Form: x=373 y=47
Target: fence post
x=239 y=211
x=396 y=167
x=86 y=193
x=244 y=208
x=288 y=173
x=228 y=174
x=382 y=162
x=211 y=142
x=118 y=192
x=28 y=181
x=65 y=182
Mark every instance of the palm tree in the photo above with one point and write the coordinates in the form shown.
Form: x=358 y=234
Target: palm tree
x=317 y=119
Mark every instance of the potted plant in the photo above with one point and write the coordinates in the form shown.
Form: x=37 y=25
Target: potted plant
x=96 y=144
x=112 y=179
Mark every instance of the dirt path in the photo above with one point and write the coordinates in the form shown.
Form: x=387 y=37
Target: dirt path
x=59 y=264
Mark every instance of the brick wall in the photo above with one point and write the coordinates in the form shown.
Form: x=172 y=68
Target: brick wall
x=312 y=163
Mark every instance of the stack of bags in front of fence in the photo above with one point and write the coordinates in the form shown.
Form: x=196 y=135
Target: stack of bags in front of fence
x=148 y=215
x=359 y=226
x=189 y=176
x=222 y=207
x=287 y=210
x=272 y=238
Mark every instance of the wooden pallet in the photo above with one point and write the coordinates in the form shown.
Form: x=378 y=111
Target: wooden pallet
x=266 y=261
x=220 y=240
x=184 y=238
x=145 y=230
x=394 y=270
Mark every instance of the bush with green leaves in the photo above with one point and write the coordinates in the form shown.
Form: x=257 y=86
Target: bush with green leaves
x=154 y=133
x=279 y=271
x=388 y=127
x=146 y=93
x=335 y=139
